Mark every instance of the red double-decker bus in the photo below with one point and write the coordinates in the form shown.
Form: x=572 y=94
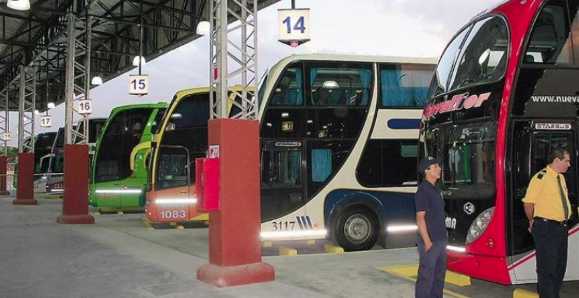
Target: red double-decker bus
x=505 y=92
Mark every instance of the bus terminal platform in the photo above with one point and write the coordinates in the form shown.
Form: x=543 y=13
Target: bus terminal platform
x=119 y=256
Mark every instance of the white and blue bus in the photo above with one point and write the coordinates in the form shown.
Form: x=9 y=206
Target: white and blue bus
x=339 y=148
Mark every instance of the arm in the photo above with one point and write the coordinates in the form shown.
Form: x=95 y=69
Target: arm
x=423 y=230
x=530 y=198
x=529 y=212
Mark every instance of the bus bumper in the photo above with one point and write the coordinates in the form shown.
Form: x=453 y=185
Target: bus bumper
x=493 y=269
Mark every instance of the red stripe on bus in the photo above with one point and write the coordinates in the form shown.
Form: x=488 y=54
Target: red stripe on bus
x=531 y=255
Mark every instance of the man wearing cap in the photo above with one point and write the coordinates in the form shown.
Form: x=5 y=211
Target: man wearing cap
x=548 y=209
x=433 y=237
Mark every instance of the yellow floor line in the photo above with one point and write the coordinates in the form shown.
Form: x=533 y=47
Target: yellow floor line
x=333 y=249
x=287 y=251
x=201 y=217
x=520 y=293
x=409 y=272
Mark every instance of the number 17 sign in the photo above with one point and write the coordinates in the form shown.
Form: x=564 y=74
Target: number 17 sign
x=294 y=26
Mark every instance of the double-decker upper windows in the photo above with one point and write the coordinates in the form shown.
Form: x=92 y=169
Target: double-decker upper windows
x=555 y=36
x=484 y=54
x=444 y=68
x=339 y=86
x=404 y=85
x=289 y=89
x=476 y=56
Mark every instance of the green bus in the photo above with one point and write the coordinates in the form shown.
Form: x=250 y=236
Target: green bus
x=119 y=169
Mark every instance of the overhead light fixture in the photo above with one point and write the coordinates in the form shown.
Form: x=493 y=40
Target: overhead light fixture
x=37 y=112
x=50 y=105
x=203 y=28
x=19 y=4
x=97 y=81
x=136 y=61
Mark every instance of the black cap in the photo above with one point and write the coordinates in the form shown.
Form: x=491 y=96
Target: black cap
x=425 y=163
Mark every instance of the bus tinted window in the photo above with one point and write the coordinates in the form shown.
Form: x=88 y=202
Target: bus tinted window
x=484 y=54
x=281 y=168
x=469 y=161
x=122 y=135
x=388 y=163
x=439 y=83
x=321 y=164
x=191 y=112
x=553 y=37
x=289 y=89
x=340 y=86
x=173 y=171
x=404 y=85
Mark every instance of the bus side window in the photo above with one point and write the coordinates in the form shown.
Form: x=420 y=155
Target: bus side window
x=552 y=37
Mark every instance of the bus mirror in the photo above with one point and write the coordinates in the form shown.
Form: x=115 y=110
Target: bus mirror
x=330 y=85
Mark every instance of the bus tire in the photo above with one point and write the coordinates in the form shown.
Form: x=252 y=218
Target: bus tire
x=356 y=229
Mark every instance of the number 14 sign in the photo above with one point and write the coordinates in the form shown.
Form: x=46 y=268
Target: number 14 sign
x=138 y=85
x=294 y=26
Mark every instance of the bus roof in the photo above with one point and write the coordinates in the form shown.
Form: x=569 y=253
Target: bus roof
x=354 y=58
x=161 y=104
x=197 y=90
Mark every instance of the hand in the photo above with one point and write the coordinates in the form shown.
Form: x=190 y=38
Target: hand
x=530 y=226
x=427 y=246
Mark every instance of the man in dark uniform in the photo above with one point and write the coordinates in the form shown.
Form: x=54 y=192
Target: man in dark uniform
x=548 y=209
x=433 y=237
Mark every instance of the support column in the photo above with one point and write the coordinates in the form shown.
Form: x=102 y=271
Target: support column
x=234 y=245
x=27 y=98
x=4 y=129
x=76 y=161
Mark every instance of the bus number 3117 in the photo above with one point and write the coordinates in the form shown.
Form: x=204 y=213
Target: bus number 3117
x=284 y=225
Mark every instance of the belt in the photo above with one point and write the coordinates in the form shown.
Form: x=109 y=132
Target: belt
x=561 y=223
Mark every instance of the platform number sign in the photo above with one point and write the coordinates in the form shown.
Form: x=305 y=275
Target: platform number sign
x=294 y=26
x=46 y=121
x=138 y=84
x=84 y=107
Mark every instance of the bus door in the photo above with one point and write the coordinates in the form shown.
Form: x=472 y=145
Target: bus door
x=282 y=178
x=533 y=142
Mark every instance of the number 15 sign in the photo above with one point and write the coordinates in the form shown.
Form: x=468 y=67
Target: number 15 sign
x=294 y=26
x=138 y=85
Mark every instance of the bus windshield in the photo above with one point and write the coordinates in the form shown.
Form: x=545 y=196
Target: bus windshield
x=121 y=135
x=184 y=139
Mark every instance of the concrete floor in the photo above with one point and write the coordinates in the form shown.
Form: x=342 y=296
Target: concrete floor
x=120 y=257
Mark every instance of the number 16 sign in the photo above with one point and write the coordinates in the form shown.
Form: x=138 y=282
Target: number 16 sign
x=294 y=26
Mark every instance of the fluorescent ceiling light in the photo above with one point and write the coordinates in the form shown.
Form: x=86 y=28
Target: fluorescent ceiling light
x=97 y=80
x=136 y=61
x=50 y=105
x=19 y=4
x=203 y=28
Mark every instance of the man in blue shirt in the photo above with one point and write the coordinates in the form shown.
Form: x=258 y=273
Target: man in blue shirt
x=433 y=237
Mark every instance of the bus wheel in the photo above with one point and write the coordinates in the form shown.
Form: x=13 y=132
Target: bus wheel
x=356 y=229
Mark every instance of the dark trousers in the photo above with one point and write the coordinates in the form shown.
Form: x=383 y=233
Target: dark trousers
x=551 y=248
x=432 y=270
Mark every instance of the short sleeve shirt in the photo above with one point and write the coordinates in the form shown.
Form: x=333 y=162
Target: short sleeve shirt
x=545 y=193
x=428 y=198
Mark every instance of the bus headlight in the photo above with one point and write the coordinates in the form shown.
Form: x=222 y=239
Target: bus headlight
x=480 y=224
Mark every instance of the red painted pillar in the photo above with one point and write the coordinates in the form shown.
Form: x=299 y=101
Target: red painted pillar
x=25 y=186
x=3 y=171
x=75 y=202
x=234 y=244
